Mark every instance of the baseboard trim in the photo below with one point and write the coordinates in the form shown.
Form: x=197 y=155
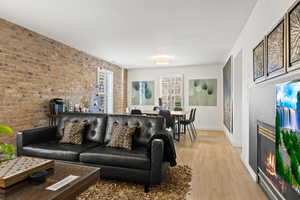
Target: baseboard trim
x=231 y=138
x=250 y=170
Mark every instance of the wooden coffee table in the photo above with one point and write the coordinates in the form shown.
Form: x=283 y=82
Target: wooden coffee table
x=26 y=190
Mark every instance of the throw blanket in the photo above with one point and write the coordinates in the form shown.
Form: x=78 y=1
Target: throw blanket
x=169 y=148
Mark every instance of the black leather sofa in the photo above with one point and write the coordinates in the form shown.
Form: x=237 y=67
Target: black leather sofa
x=135 y=165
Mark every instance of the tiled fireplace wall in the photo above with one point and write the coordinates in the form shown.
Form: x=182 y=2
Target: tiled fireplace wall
x=34 y=69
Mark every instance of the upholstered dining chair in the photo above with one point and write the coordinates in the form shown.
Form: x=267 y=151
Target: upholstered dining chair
x=169 y=120
x=156 y=108
x=187 y=124
x=192 y=123
x=136 y=112
x=178 y=109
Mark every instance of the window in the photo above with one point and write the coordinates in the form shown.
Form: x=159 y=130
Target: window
x=104 y=87
x=171 y=91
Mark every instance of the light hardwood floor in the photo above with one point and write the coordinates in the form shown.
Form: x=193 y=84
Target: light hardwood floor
x=217 y=171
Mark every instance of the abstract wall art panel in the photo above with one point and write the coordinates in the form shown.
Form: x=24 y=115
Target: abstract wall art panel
x=275 y=51
x=227 y=96
x=259 y=62
x=293 y=37
x=294 y=34
x=203 y=92
x=142 y=93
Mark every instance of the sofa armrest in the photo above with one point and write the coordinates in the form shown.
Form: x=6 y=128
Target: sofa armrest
x=33 y=136
x=157 y=154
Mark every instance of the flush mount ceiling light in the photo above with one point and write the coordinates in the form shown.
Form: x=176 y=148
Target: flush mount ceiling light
x=162 y=59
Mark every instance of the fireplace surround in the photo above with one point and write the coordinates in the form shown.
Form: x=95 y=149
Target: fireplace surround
x=275 y=187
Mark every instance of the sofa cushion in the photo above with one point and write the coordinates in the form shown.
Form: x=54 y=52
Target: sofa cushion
x=122 y=136
x=96 y=123
x=57 y=151
x=136 y=159
x=73 y=132
x=146 y=127
x=96 y=130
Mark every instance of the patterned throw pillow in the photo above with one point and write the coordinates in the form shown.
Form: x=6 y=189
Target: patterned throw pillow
x=121 y=136
x=73 y=132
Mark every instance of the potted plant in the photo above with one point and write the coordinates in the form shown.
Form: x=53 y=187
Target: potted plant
x=7 y=151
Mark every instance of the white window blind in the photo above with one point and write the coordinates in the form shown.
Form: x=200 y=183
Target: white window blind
x=171 y=91
x=105 y=88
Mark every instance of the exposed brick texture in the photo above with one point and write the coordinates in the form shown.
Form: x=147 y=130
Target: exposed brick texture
x=125 y=85
x=34 y=69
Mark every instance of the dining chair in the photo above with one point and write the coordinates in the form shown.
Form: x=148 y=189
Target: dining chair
x=169 y=121
x=177 y=121
x=136 y=112
x=192 y=123
x=187 y=125
x=178 y=109
x=156 y=108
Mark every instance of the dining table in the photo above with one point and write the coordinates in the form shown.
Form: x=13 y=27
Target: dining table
x=178 y=116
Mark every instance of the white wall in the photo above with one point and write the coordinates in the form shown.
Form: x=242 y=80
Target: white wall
x=264 y=16
x=207 y=118
x=236 y=137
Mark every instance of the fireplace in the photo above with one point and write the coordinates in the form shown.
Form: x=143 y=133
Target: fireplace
x=272 y=184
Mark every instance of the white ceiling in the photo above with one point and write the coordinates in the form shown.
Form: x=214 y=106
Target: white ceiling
x=131 y=32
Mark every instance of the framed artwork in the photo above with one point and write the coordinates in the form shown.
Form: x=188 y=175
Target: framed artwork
x=227 y=95
x=275 y=42
x=293 y=34
x=259 y=62
x=142 y=93
x=203 y=92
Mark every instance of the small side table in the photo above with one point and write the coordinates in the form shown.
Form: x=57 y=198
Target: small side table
x=52 y=119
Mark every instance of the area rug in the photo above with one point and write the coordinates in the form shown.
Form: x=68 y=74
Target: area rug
x=176 y=186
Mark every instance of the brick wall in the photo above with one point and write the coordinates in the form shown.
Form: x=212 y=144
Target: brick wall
x=125 y=85
x=34 y=69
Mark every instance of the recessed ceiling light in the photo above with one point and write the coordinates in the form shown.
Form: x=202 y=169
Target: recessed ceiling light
x=162 y=59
